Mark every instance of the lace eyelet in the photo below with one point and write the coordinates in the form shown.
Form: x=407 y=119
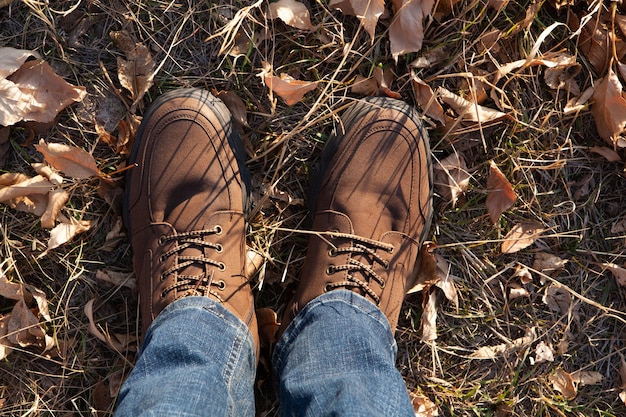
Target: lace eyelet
x=383 y=284
x=327 y=287
x=163 y=294
x=392 y=250
x=330 y=269
x=221 y=266
x=219 y=248
x=332 y=252
x=221 y=285
x=218 y=230
x=162 y=239
x=162 y=258
x=386 y=266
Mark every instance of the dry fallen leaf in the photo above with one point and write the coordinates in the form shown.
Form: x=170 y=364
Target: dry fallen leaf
x=71 y=161
x=543 y=353
x=608 y=153
x=136 y=72
x=254 y=261
x=467 y=110
x=546 y=262
x=268 y=325
x=235 y=104
x=523 y=273
x=63 y=232
x=368 y=12
x=515 y=291
x=563 y=383
x=521 y=236
x=118 y=343
x=25 y=187
x=451 y=177
x=5 y=345
x=609 y=109
x=288 y=88
x=31 y=91
x=122 y=279
x=618 y=272
x=557 y=298
x=426 y=99
x=46 y=171
x=587 y=377
x=500 y=195
x=291 y=12
x=492 y=352
x=408 y=18
x=423 y=406
x=429 y=316
x=56 y=200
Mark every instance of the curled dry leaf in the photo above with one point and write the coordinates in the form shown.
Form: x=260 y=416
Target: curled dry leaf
x=56 y=200
x=587 y=377
x=5 y=345
x=47 y=172
x=500 y=195
x=563 y=383
x=368 y=12
x=515 y=291
x=504 y=349
x=117 y=278
x=24 y=328
x=423 y=406
x=63 y=232
x=429 y=316
x=546 y=262
x=287 y=87
x=523 y=273
x=426 y=99
x=235 y=104
x=619 y=227
x=291 y=12
x=543 y=353
x=136 y=72
x=408 y=18
x=451 y=177
x=254 y=261
x=557 y=298
x=377 y=84
x=618 y=272
x=70 y=160
x=521 y=236
x=609 y=109
x=608 y=153
x=25 y=187
x=268 y=325
x=31 y=91
x=116 y=342
x=467 y=110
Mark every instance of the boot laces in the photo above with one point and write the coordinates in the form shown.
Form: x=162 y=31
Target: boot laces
x=201 y=284
x=367 y=249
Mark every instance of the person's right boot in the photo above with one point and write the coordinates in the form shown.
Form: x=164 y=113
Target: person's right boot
x=374 y=207
x=184 y=207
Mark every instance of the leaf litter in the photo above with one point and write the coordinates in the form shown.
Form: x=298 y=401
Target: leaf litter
x=458 y=105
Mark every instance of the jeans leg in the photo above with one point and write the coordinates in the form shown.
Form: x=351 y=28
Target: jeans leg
x=337 y=358
x=197 y=360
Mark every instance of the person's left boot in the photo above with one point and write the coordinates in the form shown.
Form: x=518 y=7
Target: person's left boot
x=184 y=207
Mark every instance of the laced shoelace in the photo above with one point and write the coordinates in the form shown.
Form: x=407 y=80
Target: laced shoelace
x=195 y=284
x=359 y=246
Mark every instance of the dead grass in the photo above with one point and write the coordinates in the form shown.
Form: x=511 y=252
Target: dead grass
x=574 y=193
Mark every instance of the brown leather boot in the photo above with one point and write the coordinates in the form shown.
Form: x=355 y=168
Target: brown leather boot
x=374 y=207
x=184 y=206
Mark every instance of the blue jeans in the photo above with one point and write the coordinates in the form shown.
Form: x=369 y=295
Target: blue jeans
x=337 y=358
